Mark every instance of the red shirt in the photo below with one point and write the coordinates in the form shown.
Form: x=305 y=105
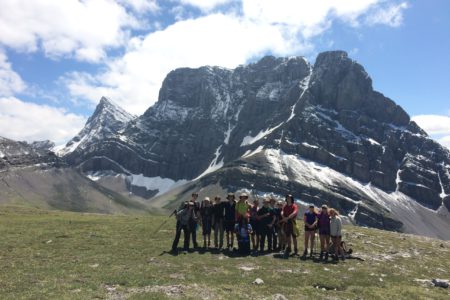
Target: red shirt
x=289 y=209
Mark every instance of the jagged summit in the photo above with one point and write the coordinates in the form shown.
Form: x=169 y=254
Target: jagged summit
x=107 y=121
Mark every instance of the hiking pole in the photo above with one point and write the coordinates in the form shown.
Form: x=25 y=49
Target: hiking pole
x=164 y=223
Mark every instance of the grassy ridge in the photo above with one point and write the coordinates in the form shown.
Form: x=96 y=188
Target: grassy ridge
x=62 y=255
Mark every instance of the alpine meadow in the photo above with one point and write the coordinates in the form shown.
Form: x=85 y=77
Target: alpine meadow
x=224 y=149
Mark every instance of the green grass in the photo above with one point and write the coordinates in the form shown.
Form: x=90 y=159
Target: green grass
x=60 y=255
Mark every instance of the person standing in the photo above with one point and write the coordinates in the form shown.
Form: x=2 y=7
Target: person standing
x=206 y=217
x=243 y=231
x=324 y=231
x=289 y=217
x=229 y=219
x=255 y=224
x=274 y=231
x=336 y=233
x=218 y=215
x=281 y=237
x=310 y=219
x=266 y=220
x=242 y=206
x=194 y=221
x=184 y=217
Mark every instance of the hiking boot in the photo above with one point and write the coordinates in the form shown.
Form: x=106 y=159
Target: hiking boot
x=335 y=259
x=326 y=256
x=174 y=251
x=321 y=255
x=296 y=252
x=342 y=257
x=287 y=253
x=305 y=253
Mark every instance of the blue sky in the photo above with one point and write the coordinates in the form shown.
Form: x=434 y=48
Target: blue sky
x=62 y=56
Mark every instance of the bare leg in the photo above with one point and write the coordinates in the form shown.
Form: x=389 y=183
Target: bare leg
x=339 y=239
x=306 y=240
x=336 y=246
x=253 y=241
x=322 y=242
x=295 y=244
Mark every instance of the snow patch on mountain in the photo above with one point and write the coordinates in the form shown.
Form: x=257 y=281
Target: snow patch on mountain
x=214 y=165
x=310 y=146
x=270 y=90
x=170 y=110
x=304 y=84
x=155 y=183
x=249 y=153
x=248 y=140
x=227 y=134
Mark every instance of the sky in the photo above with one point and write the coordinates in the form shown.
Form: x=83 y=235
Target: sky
x=59 y=57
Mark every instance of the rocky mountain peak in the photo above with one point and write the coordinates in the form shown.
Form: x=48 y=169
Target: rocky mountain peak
x=107 y=110
x=107 y=120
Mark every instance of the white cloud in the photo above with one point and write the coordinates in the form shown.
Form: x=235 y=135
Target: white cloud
x=445 y=141
x=10 y=81
x=391 y=15
x=224 y=39
x=135 y=79
x=141 y=6
x=438 y=126
x=82 y=29
x=21 y=120
x=205 y=5
x=433 y=124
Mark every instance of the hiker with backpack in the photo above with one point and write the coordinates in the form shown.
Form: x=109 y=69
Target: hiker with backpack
x=243 y=231
x=229 y=219
x=266 y=221
x=254 y=222
x=289 y=223
x=206 y=220
x=324 y=231
x=184 y=219
x=310 y=219
x=218 y=222
x=336 y=234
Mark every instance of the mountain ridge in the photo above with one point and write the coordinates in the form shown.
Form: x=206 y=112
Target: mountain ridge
x=277 y=125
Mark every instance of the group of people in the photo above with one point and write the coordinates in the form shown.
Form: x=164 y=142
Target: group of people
x=253 y=225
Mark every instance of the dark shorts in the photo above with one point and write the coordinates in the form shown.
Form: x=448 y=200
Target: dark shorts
x=255 y=227
x=229 y=225
x=310 y=229
x=290 y=229
x=324 y=231
x=336 y=237
x=206 y=227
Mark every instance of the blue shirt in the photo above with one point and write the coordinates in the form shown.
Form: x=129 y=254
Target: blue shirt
x=310 y=217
